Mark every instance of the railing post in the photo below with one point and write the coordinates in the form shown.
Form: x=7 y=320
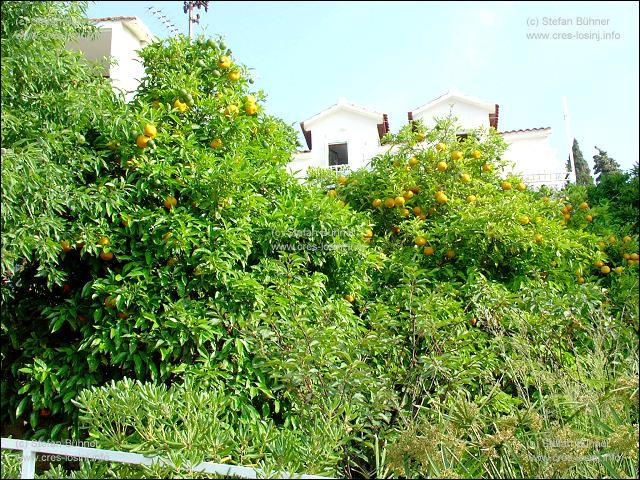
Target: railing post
x=28 y=464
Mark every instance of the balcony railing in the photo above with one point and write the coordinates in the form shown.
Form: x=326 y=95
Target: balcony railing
x=339 y=168
x=546 y=178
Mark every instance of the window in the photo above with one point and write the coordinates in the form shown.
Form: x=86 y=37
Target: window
x=338 y=154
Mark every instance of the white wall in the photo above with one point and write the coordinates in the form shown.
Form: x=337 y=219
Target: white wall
x=128 y=71
x=119 y=43
x=469 y=116
x=534 y=158
x=95 y=50
x=359 y=132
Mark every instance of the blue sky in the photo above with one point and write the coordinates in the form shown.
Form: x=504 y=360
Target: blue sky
x=396 y=56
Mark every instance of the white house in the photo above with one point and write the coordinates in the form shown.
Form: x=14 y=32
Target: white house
x=342 y=136
x=348 y=136
x=116 y=47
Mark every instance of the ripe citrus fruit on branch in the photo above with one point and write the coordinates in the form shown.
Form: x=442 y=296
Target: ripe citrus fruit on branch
x=170 y=202
x=150 y=130
x=441 y=197
x=456 y=155
x=376 y=203
x=442 y=166
x=142 y=141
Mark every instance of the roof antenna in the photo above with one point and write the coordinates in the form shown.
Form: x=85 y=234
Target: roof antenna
x=156 y=12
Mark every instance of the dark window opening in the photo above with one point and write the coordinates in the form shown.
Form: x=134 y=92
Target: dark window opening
x=338 y=154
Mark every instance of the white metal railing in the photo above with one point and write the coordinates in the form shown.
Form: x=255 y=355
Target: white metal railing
x=339 y=168
x=546 y=177
x=29 y=450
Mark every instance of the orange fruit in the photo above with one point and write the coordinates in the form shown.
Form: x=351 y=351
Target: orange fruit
x=368 y=233
x=142 y=141
x=605 y=269
x=66 y=246
x=349 y=298
x=567 y=217
x=626 y=256
x=420 y=241
x=441 y=197
x=442 y=166
x=546 y=200
x=332 y=193
x=456 y=155
x=521 y=187
x=109 y=302
x=389 y=202
x=231 y=110
x=417 y=211
x=618 y=269
x=633 y=256
x=612 y=239
x=471 y=198
x=428 y=251
x=103 y=241
x=399 y=201
x=505 y=185
x=234 y=76
x=487 y=167
x=441 y=147
x=584 y=206
x=450 y=254
x=106 y=256
x=422 y=216
x=413 y=161
x=225 y=62
x=251 y=109
x=170 y=202
x=538 y=238
x=598 y=263
x=377 y=202
x=408 y=194
x=476 y=154
x=405 y=212
x=150 y=130
x=626 y=239
x=580 y=280
x=524 y=220
x=465 y=178
x=342 y=180
x=215 y=143
x=473 y=321
x=589 y=218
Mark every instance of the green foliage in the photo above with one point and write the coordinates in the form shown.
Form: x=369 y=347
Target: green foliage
x=604 y=165
x=168 y=288
x=583 y=172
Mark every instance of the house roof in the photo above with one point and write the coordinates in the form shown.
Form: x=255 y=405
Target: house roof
x=133 y=24
x=523 y=130
x=343 y=105
x=455 y=95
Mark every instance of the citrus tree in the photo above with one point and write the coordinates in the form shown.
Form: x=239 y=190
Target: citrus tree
x=159 y=263
x=171 y=241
